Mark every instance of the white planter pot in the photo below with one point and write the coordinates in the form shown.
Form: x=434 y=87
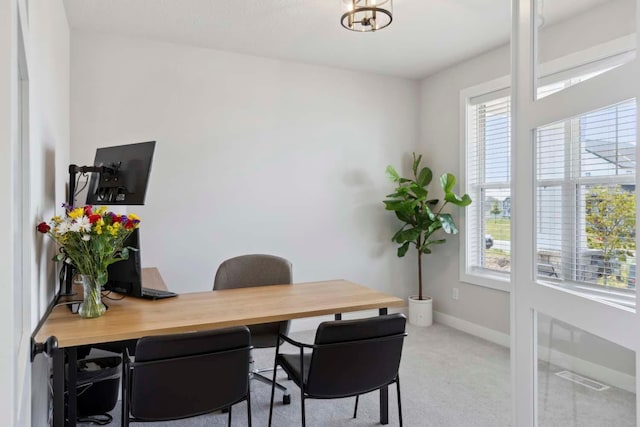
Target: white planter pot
x=420 y=311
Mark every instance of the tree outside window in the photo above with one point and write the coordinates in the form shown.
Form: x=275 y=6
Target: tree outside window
x=610 y=227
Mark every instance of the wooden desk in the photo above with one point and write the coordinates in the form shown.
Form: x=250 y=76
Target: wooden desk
x=134 y=318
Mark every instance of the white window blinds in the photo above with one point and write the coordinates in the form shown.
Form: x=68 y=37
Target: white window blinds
x=488 y=167
x=585 y=202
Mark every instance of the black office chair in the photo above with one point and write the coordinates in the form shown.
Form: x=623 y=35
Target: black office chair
x=348 y=358
x=258 y=270
x=185 y=375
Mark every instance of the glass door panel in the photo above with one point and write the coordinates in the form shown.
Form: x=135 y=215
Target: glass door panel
x=583 y=380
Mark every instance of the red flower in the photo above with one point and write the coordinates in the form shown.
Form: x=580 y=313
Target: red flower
x=43 y=227
x=115 y=218
x=129 y=225
x=87 y=210
x=93 y=218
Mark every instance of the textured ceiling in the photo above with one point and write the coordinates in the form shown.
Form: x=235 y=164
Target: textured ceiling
x=425 y=36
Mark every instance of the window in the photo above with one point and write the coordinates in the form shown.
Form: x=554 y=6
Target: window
x=585 y=200
x=583 y=163
x=488 y=180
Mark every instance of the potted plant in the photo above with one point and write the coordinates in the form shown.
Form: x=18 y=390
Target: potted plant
x=422 y=218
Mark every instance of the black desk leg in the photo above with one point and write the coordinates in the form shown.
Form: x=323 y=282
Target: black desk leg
x=384 y=392
x=58 y=388
x=72 y=370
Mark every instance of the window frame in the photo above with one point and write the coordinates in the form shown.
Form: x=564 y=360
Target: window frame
x=611 y=53
x=571 y=183
x=483 y=277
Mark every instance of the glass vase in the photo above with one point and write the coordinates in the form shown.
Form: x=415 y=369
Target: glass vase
x=92 y=305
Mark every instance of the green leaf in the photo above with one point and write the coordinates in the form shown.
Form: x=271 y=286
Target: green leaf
x=430 y=213
x=435 y=242
x=425 y=177
x=408 y=235
x=435 y=226
x=405 y=217
x=393 y=205
x=448 y=225
x=425 y=250
x=402 y=250
x=58 y=257
x=395 y=236
x=416 y=163
x=447 y=182
x=457 y=200
x=420 y=192
x=409 y=206
x=392 y=174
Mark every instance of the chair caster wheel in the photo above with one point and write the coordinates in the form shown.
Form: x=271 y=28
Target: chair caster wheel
x=286 y=399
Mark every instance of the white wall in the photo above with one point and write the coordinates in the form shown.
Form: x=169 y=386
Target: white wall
x=49 y=68
x=253 y=155
x=47 y=47
x=8 y=70
x=440 y=141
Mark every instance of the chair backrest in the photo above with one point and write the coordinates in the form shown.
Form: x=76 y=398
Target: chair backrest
x=257 y=270
x=183 y=375
x=355 y=356
x=253 y=270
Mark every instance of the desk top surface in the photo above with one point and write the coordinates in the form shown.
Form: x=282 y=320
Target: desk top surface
x=134 y=317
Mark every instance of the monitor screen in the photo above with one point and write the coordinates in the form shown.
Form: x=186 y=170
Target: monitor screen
x=125 y=182
x=125 y=276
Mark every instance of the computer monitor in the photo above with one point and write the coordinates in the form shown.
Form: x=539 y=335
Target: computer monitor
x=125 y=177
x=125 y=276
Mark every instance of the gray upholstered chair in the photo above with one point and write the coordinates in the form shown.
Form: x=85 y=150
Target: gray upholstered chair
x=258 y=270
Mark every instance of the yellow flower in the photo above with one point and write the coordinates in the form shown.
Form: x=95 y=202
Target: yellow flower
x=101 y=210
x=98 y=229
x=100 y=223
x=56 y=219
x=76 y=213
x=116 y=225
x=133 y=217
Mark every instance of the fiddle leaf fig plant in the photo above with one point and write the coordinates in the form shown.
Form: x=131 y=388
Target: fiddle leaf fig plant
x=422 y=217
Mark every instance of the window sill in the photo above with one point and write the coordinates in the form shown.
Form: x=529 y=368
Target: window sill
x=488 y=279
x=621 y=298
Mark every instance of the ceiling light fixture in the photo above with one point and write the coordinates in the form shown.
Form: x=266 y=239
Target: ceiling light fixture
x=366 y=15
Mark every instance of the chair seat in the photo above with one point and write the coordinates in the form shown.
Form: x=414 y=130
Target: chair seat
x=291 y=365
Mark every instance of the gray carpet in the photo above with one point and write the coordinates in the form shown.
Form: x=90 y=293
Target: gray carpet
x=449 y=378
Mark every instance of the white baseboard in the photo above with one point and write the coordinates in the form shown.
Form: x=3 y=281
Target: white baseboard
x=311 y=323
x=583 y=367
x=471 y=328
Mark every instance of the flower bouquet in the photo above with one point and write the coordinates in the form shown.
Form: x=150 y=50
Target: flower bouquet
x=91 y=240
